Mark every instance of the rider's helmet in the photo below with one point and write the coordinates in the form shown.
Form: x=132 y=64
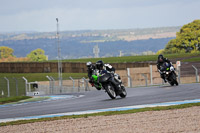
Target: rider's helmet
x=88 y=64
x=99 y=64
x=160 y=58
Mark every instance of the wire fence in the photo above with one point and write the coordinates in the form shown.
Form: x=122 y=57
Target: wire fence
x=69 y=85
x=12 y=87
x=132 y=77
x=148 y=76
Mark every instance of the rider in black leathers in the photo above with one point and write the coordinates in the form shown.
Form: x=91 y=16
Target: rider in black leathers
x=161 y=60
x=91 y=70
x=100 y=66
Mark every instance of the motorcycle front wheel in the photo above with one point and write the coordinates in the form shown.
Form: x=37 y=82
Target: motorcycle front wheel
x=175 y=79
x=111 y=91
x=123 y=93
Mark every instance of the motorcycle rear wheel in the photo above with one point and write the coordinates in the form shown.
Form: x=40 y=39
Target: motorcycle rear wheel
x=172 y=83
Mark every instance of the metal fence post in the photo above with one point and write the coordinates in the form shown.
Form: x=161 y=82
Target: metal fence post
x=179 y=74
x=50 y=83
x=72 y=81
x=151 y=74
x=29 y=87
x=145 y=77
x=129 y=78
x=196 y=72
x=26 y=82
x=8 y=86
x=53 y=83
x=17 y=89
x=130 y=82
x=86 y=86
x=79 y=85
x=83 y=83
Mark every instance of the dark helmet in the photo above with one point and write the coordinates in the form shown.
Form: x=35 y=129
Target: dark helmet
x=99 y=64
x=160 y=58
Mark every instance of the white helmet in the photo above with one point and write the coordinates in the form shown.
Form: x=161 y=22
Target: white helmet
x=88 y=64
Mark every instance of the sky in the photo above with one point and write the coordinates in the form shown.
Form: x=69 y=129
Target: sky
x=40 y=15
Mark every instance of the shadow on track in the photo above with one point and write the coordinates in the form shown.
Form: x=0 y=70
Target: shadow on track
x=118 y=98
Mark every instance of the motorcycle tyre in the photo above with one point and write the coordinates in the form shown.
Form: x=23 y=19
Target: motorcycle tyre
x=111 y=91
x=123 y=93
x=175 y=80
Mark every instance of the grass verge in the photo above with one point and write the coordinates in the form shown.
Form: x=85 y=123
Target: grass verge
x=194 y=59
x=41 y=76
x=32 y=99
x=102 y=114
x=126 y=59
x=13 y=99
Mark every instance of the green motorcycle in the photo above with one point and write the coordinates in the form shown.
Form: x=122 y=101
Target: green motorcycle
x=107 y=82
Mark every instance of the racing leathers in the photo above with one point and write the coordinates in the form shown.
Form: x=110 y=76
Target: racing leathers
x=159 y=64
x=109 y=68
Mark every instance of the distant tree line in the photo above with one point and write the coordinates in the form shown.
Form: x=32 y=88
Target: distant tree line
x=6 y=55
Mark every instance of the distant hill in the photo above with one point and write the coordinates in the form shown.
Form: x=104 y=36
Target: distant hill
x=75 y=49
x=77 y=44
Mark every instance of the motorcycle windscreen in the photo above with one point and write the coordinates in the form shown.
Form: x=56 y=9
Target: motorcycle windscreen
x=104 y=78
x=165 y=67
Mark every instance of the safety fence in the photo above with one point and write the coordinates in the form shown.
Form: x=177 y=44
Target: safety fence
x=68 y=85
x=21 y=87
x=12 y=87
x=131 y=77
x=146 y=76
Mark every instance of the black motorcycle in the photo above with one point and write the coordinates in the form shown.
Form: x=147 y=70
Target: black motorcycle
x=169 y=73
x=107 y=82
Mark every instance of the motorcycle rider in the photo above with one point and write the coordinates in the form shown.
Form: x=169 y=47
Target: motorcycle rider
x=161 y=60
x=91 y=70
x=100 y=66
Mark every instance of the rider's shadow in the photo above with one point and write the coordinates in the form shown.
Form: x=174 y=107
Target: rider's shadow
x=167 y=86
x=118 y=98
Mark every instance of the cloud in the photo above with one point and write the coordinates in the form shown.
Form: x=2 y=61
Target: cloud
x=38 y=15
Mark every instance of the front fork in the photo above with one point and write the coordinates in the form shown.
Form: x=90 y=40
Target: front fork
x=116 y=84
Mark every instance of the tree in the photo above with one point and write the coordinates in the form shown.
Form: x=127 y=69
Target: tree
x=37 y=55
x=6 y=52
x=14 y=59
x=161 y=51
x=187 y=40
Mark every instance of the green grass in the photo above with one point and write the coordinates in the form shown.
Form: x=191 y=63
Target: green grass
x=102 y=114
x=125 y=59
x=13 y=99
x=32 y=99
x=194 y=59
x=41 y=76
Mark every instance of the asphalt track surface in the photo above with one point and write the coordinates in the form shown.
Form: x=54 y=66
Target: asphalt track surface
x=93 y=100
